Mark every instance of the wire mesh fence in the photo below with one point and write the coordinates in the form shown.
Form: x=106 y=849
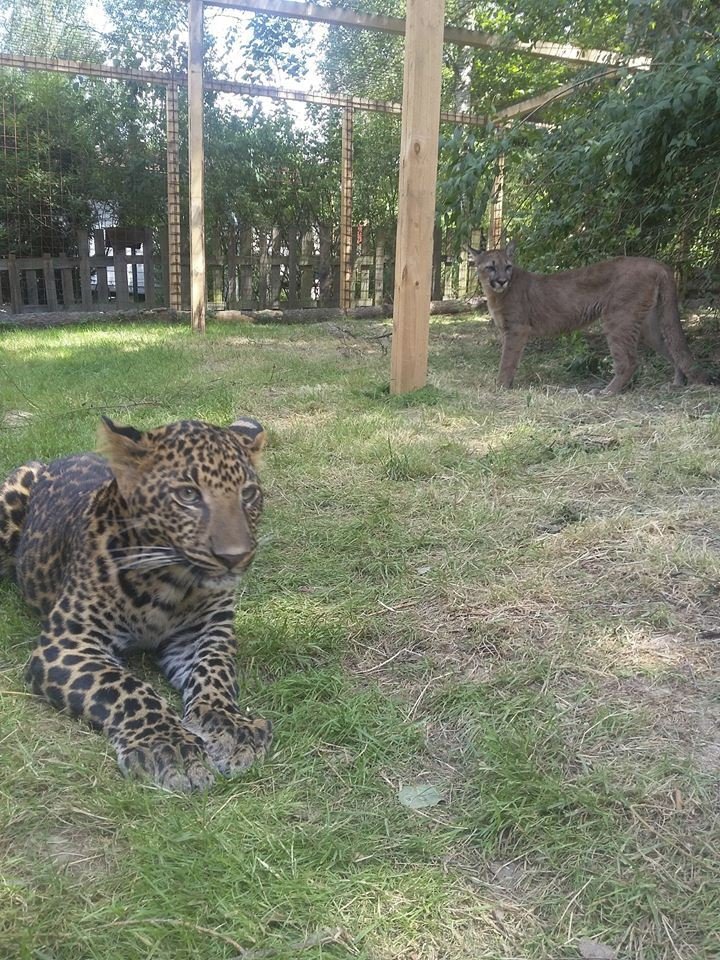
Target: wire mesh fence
x=93 y=167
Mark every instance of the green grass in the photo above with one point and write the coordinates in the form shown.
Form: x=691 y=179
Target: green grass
x=510 y=596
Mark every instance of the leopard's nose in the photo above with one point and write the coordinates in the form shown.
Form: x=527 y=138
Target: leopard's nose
x=232 y=559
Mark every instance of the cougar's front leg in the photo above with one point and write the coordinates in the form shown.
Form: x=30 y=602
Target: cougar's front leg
x=204 y=668
x=81 y=676
x=513 y=345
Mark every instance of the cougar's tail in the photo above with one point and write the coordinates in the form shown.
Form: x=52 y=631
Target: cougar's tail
x=673 y=333
x=14 y=498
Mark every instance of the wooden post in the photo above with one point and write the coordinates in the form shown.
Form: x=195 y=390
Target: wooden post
x=32 y=287
x=198 y=292
x=232 y=266
x=467 y=275
x=275 y=272
x=307 y=268
x=292 y=266
x=49 y=275
x=496 y=207
x=346 y=199
x=122 y=298
x=83 y=243
x=148 y=268
x=68 y=293
x=325 y=277
x=173 y=279
x=263 y=267
x=16 y=299
x=379 y=270
x=418 y=175
x=103 y=291
x=246 y=268
x=134 y=273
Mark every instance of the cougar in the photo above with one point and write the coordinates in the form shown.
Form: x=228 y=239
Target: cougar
x=634 y=297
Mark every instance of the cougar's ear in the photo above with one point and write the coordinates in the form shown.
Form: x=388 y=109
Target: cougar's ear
x=510 y=250
x=473 y=252
x=125 y=449
x=251 y=435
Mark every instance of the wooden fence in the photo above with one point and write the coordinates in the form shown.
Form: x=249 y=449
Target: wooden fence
x=260 y=268
x=295 y=270
x=83 y=282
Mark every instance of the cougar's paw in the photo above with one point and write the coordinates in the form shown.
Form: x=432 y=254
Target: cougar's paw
x=232 y=739
x=176 y=762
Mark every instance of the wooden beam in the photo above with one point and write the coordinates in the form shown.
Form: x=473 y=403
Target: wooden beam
x=524 y=107
x=418 y=176
x=333 y=100
x=340 y=16
x=346 y=200
x=198 y=291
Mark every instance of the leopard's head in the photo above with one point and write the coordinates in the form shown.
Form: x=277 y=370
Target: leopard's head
x=494 y=267
x=191 y=491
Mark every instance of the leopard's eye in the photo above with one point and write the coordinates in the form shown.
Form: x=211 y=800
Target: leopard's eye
x=249 y=493
x=190 y=496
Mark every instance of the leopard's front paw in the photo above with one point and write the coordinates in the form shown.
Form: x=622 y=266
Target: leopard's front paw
x=176 y=762
x=232 y=740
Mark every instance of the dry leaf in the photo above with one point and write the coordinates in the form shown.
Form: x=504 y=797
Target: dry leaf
x=418 y=796
x=592 y=950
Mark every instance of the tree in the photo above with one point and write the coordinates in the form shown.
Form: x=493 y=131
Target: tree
x=626 y=166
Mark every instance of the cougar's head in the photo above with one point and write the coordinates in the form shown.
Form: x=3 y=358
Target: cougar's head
x=494 y=267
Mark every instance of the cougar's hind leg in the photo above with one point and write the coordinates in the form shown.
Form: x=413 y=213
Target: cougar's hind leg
x=653 y=338
x=14 y=499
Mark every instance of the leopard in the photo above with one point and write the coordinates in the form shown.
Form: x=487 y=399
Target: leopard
x=139 y=548
x=635 y=298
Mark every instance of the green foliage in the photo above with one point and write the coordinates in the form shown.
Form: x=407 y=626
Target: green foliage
x=466 y=172
x=148 y=33
x=638 y=175
x=49 y=28
x=625 y=167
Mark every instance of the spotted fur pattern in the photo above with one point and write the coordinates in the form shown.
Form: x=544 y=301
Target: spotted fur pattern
x=142 y=549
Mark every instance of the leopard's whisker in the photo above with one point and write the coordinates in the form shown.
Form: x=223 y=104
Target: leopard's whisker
x=135 y=563
x=143 y=551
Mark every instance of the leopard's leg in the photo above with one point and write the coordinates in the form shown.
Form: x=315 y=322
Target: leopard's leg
x=513 y=347
x=73 y=668
x=14 y=498
x=203 y=665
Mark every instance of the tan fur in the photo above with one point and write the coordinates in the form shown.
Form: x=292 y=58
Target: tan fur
x=634 y=297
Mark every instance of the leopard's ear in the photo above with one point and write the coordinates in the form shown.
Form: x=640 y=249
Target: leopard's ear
x=125 y=449
x=252 y=436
